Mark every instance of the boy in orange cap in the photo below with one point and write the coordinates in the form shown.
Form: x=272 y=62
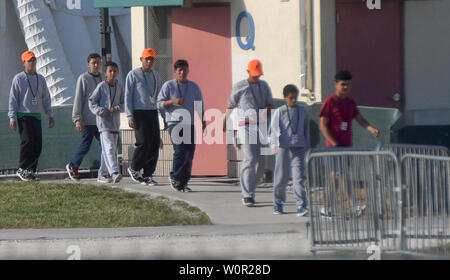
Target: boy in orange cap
x=250 y=96
x=29 y=93
x=141 y=90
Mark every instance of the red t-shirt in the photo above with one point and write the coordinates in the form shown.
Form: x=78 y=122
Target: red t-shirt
x=340 y=113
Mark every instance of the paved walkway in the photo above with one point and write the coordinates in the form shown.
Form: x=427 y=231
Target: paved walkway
x=237 y=231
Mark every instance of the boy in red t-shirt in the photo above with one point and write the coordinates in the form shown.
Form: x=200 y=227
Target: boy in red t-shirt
x=336 y=117
x=338 y=111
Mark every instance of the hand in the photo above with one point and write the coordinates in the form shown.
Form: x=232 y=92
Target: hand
x=131 y=123
x=274 y=150
x=51 y=122
x=224 y=125
x=166 y=126
x=112 y=110
x=374 y=131
x=79 y=127
x=178 y=101
x=13 y=125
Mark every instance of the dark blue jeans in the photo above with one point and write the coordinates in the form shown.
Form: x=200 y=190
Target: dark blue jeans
x=183 y=153
x=88 y=134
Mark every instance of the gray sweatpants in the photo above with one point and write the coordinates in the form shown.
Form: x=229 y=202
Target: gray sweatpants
x=252 y=166
x=109 y=163
x=290 y=161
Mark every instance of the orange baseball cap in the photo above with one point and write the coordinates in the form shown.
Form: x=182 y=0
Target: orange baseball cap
x=255 y=68
x=28 y=55
x=148 y=53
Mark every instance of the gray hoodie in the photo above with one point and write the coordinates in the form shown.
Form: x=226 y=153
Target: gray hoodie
x=289 y=127
x=250 y=97
x=21 y=96
x=141 y=91
x=86 y=85
x=102 y=99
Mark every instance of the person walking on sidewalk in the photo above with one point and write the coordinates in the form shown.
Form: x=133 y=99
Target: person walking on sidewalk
x=289 y=139
x=336 y=115
x=179 y=98
x=82 y=116
x=29 y=93
x=141 y=91
x=253 y=98
x=106 y=102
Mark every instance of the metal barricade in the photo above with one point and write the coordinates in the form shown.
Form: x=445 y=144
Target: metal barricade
x=426 y=219
x=402 y=149
x=354 y=199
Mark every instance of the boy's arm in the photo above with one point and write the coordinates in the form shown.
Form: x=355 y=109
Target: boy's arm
x=274 y=130
x=233 y=102
x=77 y=114
x=306 y=126
x=47 y=101
x=324 y=122
x=129 y=92
x=94 y=105
x=13 y=101
x=121 y=106
x=362 y=122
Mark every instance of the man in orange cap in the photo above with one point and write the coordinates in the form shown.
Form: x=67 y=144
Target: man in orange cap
x=29 y=93
x=252 y=97
x=141 y=90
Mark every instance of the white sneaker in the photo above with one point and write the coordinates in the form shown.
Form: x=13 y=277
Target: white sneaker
x=104 y=179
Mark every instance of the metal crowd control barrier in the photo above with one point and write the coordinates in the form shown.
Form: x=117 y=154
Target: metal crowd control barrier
x=354 y=199
x=426 y=219
x=401 y=149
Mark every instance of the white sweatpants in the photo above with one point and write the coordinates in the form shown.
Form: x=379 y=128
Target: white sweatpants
x=109 y=164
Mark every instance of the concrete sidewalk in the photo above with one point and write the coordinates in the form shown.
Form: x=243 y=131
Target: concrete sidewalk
x=238 y=232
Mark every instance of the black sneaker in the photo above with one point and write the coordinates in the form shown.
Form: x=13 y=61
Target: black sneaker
x=248 y=201
x=186 y=188
x=176 y=186
x=149 y=181
x=33 y=176
x=136 y=176
x=24 y=174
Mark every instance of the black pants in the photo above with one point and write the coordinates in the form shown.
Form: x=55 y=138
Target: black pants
x=147 y=133
x=30 y=131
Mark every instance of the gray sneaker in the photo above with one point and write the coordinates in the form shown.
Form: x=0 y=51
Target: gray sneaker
x=116 y=177
x=301 y=211
x=104 y=179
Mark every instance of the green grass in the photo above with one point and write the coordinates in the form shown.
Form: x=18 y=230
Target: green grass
x=34 y=205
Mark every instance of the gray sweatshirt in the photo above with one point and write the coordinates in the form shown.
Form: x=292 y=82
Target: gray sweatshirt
x=86 y=85
x=21 y=96
x=247 y=96
x=190 y=92
x=289 y=127
x=141 y=91
x=102 y=99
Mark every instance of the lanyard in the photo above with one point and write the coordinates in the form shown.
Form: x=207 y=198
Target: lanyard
x=146 y=82
x=95 y=78
x=31 y=88
x=112 y=99
x=253 y=94
x=290 y=122
x=179 y=90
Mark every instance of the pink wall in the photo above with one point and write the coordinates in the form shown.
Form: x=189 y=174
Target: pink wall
x=202 y=37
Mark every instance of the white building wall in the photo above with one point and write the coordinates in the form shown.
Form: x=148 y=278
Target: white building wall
x=427 y=55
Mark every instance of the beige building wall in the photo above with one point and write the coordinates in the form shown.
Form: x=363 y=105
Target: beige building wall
x=277 y=42
x=137 y=34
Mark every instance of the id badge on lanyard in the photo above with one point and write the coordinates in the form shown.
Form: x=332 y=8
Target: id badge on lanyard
x=344 y=126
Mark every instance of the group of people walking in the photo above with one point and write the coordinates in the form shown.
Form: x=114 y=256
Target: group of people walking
x=100 y=98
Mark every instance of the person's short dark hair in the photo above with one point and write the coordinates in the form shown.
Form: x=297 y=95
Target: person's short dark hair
x=93 y=56
x=343 y=75
x=111 y=64
x=180 y=63
x=289 y=89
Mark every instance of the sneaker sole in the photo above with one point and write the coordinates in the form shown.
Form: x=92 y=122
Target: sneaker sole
x=248 y=204
x=278 y=213
x=103 y=182
x=117 y=179
x=70 y=174
x=132 y=178
x=302 y=214
x=22 y=178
